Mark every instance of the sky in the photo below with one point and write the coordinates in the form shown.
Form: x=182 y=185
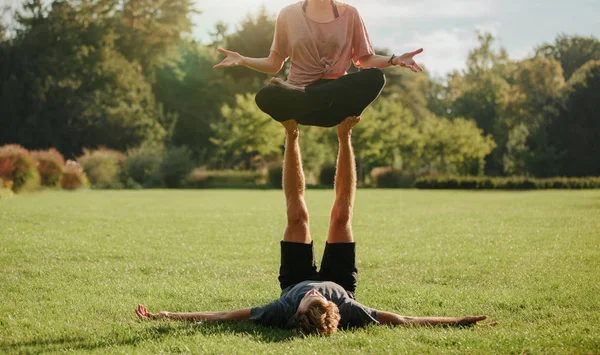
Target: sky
x=446 y=29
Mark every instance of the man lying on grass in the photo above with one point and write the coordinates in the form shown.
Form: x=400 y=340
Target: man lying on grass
x=311 y=301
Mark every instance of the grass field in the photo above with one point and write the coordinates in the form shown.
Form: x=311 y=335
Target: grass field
x=75 y=265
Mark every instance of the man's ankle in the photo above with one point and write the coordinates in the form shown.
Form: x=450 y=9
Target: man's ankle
x=294 y=133
x=344 y=136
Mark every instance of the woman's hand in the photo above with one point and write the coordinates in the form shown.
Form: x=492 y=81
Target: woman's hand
x=406 y=61
x=143 y=313
x=233 y=59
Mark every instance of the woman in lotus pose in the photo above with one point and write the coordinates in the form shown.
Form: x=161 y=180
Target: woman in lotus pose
x=321 y=38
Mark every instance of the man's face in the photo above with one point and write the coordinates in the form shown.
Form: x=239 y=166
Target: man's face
x=309 y=299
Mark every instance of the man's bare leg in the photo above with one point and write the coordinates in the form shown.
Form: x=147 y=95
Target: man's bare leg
x=340 y=224
x=297 y=229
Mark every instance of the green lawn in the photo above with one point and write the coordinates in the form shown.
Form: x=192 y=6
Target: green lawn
x=75 y=265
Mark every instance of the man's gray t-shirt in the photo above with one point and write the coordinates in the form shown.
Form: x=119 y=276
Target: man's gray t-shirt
x=279 y=312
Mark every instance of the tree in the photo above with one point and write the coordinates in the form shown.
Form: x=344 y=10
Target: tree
x=253 y=38
x=65 y=86
x=475 y=93
x=150 y=31
x=455 y=147
x=318 y=148
x=245 y=136
x=571 y=51
x=194 y=92
x=525 y=109
x=575 y=134
x=219 y=34
x=387 y=136
x=391 y=136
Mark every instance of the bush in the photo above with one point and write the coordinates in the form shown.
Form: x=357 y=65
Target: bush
x=73 y=176
x=390 y=178
x=5 y=189
x=508 y=183
x=103 y=168
x=176 y=166
x=49 y=165
x=275 y=174
x=142 y=165
x=5 y=193
x=17 y=166
x=200 y=178
x=6 y=184
x=327 y=175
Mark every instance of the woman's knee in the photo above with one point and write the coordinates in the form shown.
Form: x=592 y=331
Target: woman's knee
x=265 y=98
x=375 y=77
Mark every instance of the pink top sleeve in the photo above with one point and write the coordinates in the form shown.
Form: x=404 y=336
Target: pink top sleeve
x=361 y=44
x=280 y=39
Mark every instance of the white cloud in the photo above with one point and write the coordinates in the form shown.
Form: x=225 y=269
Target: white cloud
x=445 y=50
x=491 y=28
x=374 y=12
x=424 y=9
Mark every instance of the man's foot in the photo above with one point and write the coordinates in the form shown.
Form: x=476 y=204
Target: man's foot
x=291 y=127
x=283 y=84
x=344 y=129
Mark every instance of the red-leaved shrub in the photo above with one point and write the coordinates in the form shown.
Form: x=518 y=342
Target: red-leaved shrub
x=73 y=176
x=17 y=165
x=50 y=166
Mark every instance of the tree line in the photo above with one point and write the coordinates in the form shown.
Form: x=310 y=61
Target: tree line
x=120 y=74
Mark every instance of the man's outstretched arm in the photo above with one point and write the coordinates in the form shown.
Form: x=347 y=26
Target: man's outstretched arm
x=389 y=318
x=240 y=314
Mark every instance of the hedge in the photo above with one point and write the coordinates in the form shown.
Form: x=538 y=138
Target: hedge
x=200 y=178
x=19 y=167
x=73 y=177
x=389 y=178
x=5 y=189
x=327 y=175
x=142 y=166
x=49 y=165
x=506 y=183
x=176 y=165
x=275 y=176
x=103 y=168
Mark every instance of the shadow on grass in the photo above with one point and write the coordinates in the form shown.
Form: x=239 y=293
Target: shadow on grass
x=133 y=336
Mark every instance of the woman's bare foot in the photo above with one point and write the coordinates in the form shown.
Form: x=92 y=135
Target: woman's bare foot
x=291 y=127
x=283 y=84
x=345 y=127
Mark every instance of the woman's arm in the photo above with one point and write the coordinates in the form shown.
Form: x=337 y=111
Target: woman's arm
x=389 y=318
x=270 y=65
x=379 y=61
x=240 y=314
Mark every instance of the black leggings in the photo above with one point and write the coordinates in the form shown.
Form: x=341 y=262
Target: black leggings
x=324 y=103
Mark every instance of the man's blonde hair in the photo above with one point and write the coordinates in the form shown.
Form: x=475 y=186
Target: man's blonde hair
x=320 y=318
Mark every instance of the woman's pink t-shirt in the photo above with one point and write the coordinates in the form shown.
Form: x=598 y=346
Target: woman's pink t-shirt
x=319 y=50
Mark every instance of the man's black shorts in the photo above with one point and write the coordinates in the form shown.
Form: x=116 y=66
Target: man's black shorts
x=338 y=265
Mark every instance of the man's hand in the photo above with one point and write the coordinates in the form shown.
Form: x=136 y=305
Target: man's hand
x=233 y=59
x=406 y=61
x=143 y=313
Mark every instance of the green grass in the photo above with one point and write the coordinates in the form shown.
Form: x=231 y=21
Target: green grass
x=75 y=265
